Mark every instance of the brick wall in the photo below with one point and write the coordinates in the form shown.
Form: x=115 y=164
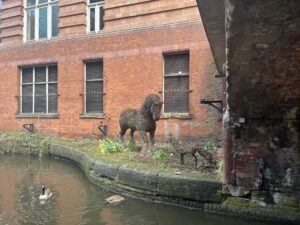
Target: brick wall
x=263 y=76
x=133 y=68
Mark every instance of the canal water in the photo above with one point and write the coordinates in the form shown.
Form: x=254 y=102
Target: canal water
x=77 y=201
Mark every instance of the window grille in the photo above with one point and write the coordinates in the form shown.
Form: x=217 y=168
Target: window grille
x=176 y=83
x=93 y=87
x=41 y=19
x=95 y=15
x=39 y=90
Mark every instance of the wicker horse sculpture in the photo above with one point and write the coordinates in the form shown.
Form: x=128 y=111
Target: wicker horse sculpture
x=142 y=120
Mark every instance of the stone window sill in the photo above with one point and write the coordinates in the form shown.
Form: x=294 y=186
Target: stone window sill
x=46 y=116
x=182 y=116
x=92 y=116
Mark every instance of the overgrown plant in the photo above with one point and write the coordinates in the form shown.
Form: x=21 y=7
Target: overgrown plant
x=107 y=146
x=159 y=154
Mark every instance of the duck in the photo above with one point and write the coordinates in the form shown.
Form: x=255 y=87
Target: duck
x=46 y=194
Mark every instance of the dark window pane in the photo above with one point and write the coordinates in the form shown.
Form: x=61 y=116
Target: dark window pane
x=43 y=22
x=92 y=19
x=40 y=74
x=55 y=11
x=30 y=2
x=52 y=89
x=94 y=1
x=176 y=95
x=26 y=98
x=94 y=87
x=40 y=98
x=42 y=1
x=176 y=63
x=94 y=70
x=30 y=24
x=27 y=75
x=94 y=97
x=101 y=18
x=52 y=104
x=52 y=71
x=27 y=90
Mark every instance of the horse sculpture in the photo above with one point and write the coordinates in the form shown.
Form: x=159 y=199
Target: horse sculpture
x=142 y=120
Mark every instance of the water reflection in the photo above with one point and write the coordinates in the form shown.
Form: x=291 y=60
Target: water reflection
x=76 y=201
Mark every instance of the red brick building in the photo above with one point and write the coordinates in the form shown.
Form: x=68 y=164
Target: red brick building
x=68 y=66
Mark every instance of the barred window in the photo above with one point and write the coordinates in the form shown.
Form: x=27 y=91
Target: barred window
x=39 y=90
x=95 y=15
x=93 y=87
x=41 y=18
x=176 y=83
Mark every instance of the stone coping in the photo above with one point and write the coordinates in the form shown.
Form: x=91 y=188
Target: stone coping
x=172 y=189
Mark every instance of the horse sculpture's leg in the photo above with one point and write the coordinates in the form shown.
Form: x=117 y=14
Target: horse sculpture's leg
x=144 y=136
x=122 y=133
x=152 y=135
x=131 y=135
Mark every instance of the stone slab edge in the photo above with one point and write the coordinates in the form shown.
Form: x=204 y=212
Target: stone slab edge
x=142 y=181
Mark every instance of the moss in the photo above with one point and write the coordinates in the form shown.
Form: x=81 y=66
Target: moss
x=289 y=209
x=237 y=202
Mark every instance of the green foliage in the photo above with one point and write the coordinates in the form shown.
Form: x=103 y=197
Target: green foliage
x=210 y=145
x=107 y=146
x=159 y=154
x=220 y=168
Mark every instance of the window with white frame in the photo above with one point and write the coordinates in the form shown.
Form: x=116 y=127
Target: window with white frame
x=93 y=96
x=40 y=19
x=38 y=90
x=95 y=15
x=176 y=83
x=1 y=3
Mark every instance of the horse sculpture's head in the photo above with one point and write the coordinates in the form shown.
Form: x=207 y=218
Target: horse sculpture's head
x=152 y=107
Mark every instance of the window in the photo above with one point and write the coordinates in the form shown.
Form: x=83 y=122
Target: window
x=95 y=15
x=93 y=87
x=39 y=90
x=0 y=16
x=41 y=19
x=176 y=83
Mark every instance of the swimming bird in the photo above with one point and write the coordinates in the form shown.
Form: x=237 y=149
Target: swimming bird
x=45 y=193
x=115 y=199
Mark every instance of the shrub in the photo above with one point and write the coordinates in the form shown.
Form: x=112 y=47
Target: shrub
x=159 y=154
x=107 y=146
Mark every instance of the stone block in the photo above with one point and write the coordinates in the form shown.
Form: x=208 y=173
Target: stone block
x=104 y=169
x=145 y=180
x=189 y=188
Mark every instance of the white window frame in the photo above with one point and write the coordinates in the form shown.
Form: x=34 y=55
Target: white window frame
x=97 y=7
x=36 y=8
x=84 y=99
x=181 y=74
x=33 y=83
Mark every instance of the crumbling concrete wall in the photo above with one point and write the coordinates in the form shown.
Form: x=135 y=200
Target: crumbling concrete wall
x=263 y=72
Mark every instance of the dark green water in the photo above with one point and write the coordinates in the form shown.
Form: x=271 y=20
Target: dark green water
x=77 y=201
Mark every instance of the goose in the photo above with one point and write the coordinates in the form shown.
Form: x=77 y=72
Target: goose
x=45 y=193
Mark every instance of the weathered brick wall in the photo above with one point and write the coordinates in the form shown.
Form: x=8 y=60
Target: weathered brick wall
x=133 y=68
x=263 y=87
